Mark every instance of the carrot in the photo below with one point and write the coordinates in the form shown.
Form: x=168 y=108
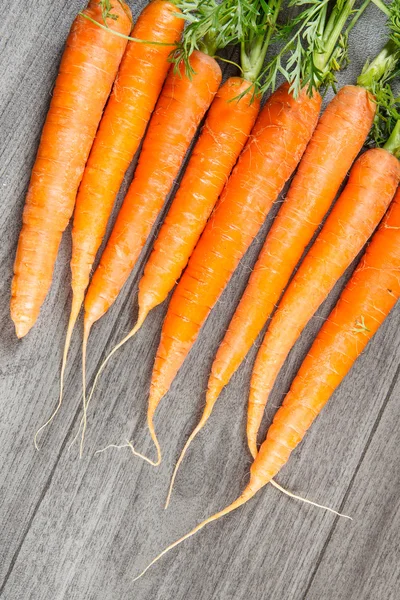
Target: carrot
x=134 y=95
x=340 y=134
x=179 y=110
x=363 y=306
x=86 y=74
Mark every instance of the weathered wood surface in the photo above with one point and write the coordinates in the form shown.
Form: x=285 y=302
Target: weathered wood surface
x=82 y=529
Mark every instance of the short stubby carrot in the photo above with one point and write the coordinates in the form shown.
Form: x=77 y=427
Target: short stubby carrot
x=363 y=306
x=87 y=71
x=273 y=151
x=139 y=81
x=337 y=139
x=372 y=184
x=179 y=110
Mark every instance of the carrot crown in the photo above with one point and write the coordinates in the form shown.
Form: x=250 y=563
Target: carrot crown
x=216 y=24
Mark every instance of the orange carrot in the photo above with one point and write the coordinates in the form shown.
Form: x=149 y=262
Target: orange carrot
x=372 y=184
x=87 y=72
x=273 y=151
x=135 y=92
x=364 y=304
x=227 y=127
x=180 y=108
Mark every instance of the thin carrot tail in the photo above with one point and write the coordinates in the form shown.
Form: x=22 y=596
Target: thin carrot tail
x=296 y=497
x=212 y=396
x=129 y=444
x=86 y=401
x=133 y=331
x=150 y=425
x=77 y=300
x=254 y=417
x=86 y=333
x=243 y=498
x=204 y=418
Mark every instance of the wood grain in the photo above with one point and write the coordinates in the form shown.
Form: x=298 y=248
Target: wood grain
x=82 y=529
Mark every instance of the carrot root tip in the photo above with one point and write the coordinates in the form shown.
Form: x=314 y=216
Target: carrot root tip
x=130 y=445
x=306 y=501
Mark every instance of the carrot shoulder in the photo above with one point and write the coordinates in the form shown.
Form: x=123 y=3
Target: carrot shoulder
x=273 y=151
x=87 y=71
x=372 y=184
x=337 y=139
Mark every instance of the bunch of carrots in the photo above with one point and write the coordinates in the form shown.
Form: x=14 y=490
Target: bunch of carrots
x=154 y=82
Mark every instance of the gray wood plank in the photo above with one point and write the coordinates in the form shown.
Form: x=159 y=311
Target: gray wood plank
x=83 y=528
x=363 y=561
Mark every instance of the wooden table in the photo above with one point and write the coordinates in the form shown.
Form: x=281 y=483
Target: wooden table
x=82 y=529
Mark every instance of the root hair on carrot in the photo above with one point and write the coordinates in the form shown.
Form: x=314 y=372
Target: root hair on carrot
x=296 y=497
x=130 y=445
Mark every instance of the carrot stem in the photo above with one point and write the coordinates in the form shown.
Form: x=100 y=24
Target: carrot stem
x=331 y=34
x=380 y=67
x=393 y=143
x=252 y=59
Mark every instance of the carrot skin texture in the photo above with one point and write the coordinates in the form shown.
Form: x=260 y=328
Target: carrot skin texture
x=138 y=84
x=372 y=184
x=270 y=156
x=337 y=139
x=364 y=304
x=226 y=130
x=179 y=110
x=87 y=71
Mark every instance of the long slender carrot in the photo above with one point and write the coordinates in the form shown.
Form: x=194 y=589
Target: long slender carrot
x=363 y=306
x=134 y=95
x=87 y=71
x=273 y=151
x=179 y=110
x=372 y=184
